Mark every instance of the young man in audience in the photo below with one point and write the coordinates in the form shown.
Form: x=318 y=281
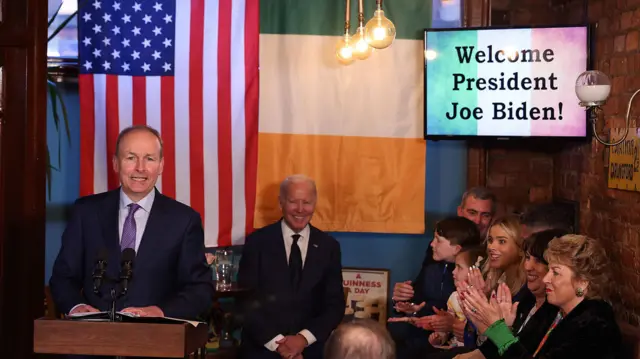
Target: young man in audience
x=433 y=287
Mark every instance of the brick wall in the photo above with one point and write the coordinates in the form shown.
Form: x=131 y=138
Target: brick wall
x=521 y=174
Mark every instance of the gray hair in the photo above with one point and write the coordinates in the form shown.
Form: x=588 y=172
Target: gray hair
x=481 y=193
x=360 y=339
x=298 y=178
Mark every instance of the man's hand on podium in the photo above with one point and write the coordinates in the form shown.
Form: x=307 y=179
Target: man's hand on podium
x=151 y=311
x=82 y=308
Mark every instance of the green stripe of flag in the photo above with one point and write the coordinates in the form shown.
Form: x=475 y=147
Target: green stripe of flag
x=326 y=17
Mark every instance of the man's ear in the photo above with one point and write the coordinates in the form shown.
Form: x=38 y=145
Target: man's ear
x=114 y=163
x=460 y=211
x=457 y=248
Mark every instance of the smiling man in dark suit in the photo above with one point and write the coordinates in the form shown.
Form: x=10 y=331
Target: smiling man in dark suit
x=294 y=273
x=170 y=275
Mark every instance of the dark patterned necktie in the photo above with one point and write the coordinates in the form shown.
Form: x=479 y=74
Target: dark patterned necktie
x=295 y=262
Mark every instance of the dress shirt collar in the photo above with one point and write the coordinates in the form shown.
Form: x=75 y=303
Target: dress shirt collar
x=287 y=232
x=146 y=203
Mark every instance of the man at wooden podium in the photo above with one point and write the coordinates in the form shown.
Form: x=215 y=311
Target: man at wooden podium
x=170 y=276
x=294 y=273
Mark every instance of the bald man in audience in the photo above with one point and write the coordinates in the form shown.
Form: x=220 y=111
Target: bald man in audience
x=360 y=339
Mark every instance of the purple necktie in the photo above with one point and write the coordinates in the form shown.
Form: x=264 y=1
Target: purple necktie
x=129 y=229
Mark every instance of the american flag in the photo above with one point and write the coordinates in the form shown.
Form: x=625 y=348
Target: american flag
x=188 y=68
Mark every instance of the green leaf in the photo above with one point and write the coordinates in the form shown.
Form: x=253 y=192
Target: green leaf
x=62 y=26
x=65 y=116
x=54 y=15
x=53 y=98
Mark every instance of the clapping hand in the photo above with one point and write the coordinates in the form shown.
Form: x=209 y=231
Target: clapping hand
x=476 y=280
x=477 y=308
x=403 y=291
x=409 y=308
x=442 y=321
x=436 y=339
x=503 y=302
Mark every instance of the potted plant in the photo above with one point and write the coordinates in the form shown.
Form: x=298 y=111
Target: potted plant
x=58 y=108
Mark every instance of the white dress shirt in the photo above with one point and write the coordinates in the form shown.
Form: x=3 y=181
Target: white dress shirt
x=303 y=244
x=141 y=216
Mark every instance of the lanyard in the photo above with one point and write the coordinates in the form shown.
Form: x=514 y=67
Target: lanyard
x=551 y=328
x=531 y=313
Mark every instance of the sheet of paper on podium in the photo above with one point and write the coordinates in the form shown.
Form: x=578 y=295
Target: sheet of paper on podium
x=128 y=317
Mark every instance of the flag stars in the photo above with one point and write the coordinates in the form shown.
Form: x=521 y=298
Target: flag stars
x=137 y=7
x=157 y=7
x=146 y=43
x=116 y=30
x=168 y=18
x=125 y=42
x=167 y=42
x=126 y=18
x=135 y=55
x=116 y=6
x=106 y=41
x=87 y=65
x=146 y=19
x=106 y=65
x=97 y=4
x=97 y=28
x=106 y=17
x=136 y=30
x=86 y=41
x=146 y=67
x=157 y=31
x=97 y=52
x=125 y=67
x=115 y=54
x=86 y=17
x=166 y=67
x=156 y=55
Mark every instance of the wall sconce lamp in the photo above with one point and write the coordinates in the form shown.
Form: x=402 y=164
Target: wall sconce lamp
x=592 y=89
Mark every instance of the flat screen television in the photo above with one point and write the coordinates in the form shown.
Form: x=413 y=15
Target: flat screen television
x=504 y=82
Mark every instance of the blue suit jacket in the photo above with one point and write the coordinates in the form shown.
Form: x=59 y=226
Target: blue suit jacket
x=169 y=271
x=273 y=307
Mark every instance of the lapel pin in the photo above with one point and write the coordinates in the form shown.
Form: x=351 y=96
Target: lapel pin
x=315 y=245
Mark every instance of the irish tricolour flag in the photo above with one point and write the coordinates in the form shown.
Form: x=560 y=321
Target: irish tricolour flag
x=357 y=129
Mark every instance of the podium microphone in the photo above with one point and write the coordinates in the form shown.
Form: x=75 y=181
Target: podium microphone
x=100 y=269
x=128 y=255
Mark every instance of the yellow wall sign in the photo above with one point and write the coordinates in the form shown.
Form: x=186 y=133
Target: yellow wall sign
x=624 y=163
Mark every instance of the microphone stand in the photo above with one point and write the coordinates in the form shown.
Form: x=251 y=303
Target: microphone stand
x=112 y=312
x=123 y=279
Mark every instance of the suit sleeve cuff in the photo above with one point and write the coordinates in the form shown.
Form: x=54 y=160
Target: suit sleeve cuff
x=74 y=307
x=272 y=345
x=308 y=336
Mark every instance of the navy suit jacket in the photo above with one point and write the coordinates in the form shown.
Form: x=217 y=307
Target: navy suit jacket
x=169 y=270
x=273 y=307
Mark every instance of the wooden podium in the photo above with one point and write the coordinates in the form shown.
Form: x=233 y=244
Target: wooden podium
x=123 y=339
